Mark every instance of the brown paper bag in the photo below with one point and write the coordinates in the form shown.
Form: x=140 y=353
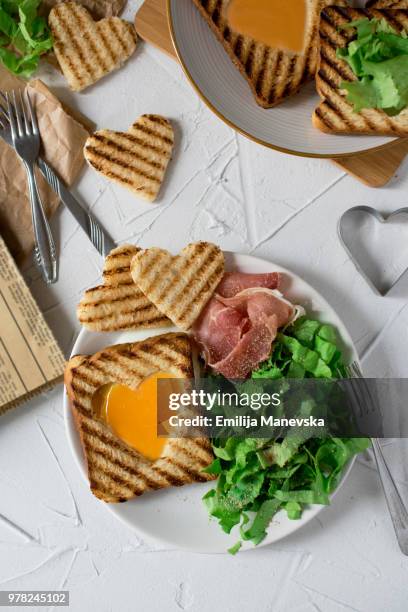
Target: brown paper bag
x=63 y=141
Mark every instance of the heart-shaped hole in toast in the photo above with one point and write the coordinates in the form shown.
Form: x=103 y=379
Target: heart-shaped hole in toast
x=179 y=286
x=116 y=470
x=377 y=244
x=139 y=416
x=87 y=50
x=136 y=159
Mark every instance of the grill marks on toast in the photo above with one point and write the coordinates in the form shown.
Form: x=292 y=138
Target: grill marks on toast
x=273 y=74
x=335 y=114
x=384 y=4
x=98 y=8
x=136 y=159
x=87 y=50
x=119 y=303
x=138 y=156
x=116 y=471
x=117 y=265
x=179 y=286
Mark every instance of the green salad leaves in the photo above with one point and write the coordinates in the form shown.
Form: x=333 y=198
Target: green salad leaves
x=24 y=36
x=258 y=477
x=379 y=58
x=308 y=349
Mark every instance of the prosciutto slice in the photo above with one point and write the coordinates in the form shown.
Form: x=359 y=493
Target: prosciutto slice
x=219 y=330
x=253 y=348
x=235 y=282
x=236 y=333
x=261 y=303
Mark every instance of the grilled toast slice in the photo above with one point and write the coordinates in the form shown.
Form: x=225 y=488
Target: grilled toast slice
x=273 y=74
x=87 y=50
x=335 y=114
x=179 y=286
x=116 y=471
x=119 y=304
x=387 y=4
x=136 y=159
x=98 y=8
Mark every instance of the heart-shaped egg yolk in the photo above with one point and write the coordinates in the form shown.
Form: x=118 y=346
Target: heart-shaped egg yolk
x=132 y=414
x=277 y=23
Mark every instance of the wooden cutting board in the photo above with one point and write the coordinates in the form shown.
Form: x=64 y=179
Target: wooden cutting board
x=373 y=169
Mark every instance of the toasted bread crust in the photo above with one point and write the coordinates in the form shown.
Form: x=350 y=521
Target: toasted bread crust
x=116 y=270
x=273 y=74
x=136 y=159
x=119 y=304
x=335 y=114
x=387 y=4
x=116 y=471
x=98 y=8
x=179 y=286
x=87 y=50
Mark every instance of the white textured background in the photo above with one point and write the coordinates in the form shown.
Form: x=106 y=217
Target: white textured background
x=221 y=187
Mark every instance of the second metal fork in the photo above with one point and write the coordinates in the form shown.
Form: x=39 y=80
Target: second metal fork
x=396 y=506
x=26 y=141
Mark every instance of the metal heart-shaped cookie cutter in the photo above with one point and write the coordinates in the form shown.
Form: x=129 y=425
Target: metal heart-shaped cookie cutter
x=344 y=241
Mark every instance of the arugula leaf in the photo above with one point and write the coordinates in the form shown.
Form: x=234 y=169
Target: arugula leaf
x=279 y=453
x=222 y=453
x=379 y=59
x=246 y=490
x=257 y=531
x=294 y=510
x=234 y=549
x=24 y=36
x=217 y=507
x=305 y=331
x=268 y=371
x=326 y=350
x=310 y=496
x=305 y=357
x=214 y=468
x=307 y=349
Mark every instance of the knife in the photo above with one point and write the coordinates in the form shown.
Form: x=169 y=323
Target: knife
x=99 y=238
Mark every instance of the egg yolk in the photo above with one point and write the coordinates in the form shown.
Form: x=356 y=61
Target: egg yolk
x=132 y=414
x=277 y=23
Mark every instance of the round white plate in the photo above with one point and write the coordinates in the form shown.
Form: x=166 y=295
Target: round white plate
x=287 y=127
x=177 y=517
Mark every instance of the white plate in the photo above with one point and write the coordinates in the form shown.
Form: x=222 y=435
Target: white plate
x=177 y=517
x=287 y=127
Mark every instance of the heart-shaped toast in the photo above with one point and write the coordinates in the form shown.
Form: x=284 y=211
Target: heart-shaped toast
x=118 y=304
x=179 y=286
x=87 y=50
x=136 y=159
x=98 y=8
x=117 y=472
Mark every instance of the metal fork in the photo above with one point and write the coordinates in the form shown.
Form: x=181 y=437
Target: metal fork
x=92 y=228
x=396 y=506
x=26 y=141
